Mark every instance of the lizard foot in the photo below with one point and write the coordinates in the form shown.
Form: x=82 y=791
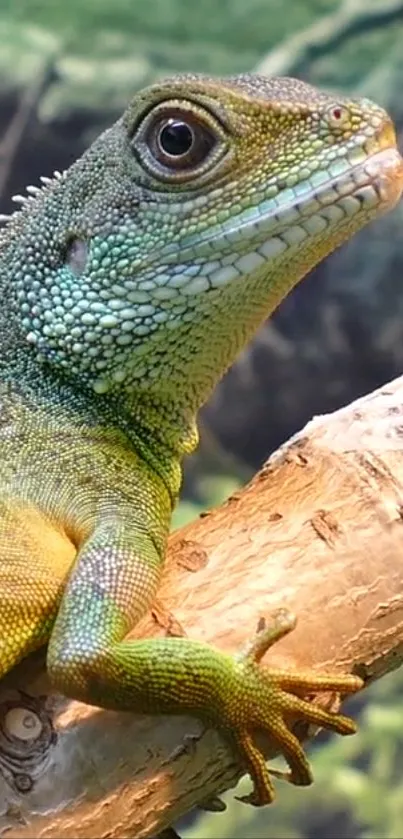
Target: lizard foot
x=266 y=699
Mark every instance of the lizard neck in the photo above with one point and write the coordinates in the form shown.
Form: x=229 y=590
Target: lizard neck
x=157 y=414
x=157 y=431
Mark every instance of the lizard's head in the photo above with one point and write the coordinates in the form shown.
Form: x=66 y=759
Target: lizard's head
x=152 y=260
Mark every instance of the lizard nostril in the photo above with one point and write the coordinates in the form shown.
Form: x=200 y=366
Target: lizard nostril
x=76 y=255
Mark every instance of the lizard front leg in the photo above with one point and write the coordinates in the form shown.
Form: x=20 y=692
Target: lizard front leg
x=114 y=581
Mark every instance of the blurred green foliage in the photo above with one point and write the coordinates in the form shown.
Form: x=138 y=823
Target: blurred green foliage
x=103 y=51
x=212 y=490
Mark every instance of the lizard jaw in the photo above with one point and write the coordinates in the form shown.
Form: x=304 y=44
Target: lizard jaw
x=344 y=202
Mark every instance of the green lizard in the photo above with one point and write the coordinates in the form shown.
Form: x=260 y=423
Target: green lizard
x=129 y=283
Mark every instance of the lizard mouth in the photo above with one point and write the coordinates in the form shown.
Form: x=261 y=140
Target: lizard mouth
x=384 y=170
x=331 y=204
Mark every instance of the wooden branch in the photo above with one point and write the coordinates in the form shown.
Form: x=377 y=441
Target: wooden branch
x=319 y=530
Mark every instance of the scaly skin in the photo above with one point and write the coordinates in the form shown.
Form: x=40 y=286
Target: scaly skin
x=128 y=285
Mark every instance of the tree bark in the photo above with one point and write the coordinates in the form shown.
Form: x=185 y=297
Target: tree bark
x=319 y=530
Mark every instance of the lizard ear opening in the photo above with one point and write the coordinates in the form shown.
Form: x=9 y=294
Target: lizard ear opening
x=76 y=255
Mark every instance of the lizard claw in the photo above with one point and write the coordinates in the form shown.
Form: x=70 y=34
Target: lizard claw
x=267 y=699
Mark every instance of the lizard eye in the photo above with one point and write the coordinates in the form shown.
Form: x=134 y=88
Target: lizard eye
x=177 y=144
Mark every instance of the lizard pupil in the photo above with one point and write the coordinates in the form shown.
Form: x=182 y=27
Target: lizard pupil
x=176 y=138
